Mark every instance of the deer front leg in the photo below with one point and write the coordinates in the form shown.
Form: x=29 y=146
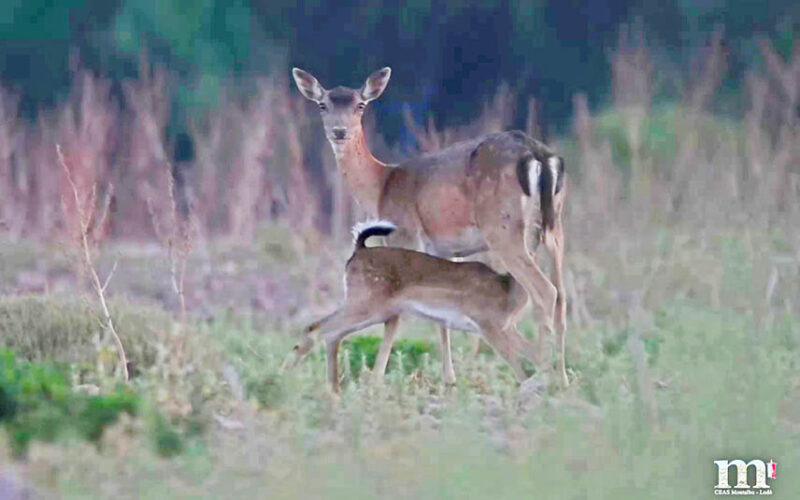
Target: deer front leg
x=385 y=350
x=507 y=242
x=382 y=359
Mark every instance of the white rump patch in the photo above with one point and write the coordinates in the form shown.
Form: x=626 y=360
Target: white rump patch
x=554 y=162
x=534 y=171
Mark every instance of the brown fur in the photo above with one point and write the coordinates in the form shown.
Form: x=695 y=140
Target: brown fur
x=454 y=202
x=384 y=282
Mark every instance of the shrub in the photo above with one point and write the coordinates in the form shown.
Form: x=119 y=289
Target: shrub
x=168 y=441
x=268 y=390
x=66 y=330
x=37 y=402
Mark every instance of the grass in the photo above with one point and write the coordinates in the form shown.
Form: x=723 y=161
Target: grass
x=727 y=395
x=67 y=329
x=37 y=402
x=722 y=360
x=683 y=344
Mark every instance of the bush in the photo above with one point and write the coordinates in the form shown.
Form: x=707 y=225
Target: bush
x=67 y=330
x=37 y=402
x=168 y=441
x=268 y=390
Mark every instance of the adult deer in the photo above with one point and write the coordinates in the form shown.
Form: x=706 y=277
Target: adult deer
x=383 y=282
x=467 y=198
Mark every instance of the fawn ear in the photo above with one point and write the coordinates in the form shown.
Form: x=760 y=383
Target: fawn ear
x=308 y=85
x=375 y=84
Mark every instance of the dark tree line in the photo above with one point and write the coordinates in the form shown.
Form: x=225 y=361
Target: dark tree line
x=447 y=56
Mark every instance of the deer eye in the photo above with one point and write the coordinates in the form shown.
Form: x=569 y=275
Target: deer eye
x=323 y=106
x=361 y=106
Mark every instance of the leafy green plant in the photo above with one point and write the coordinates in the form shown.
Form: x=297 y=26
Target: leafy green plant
x=268 y=390
x=37 y=402
x=363 y=350
x=167 y=439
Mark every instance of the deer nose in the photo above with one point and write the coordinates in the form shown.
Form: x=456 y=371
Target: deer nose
x=339 y=133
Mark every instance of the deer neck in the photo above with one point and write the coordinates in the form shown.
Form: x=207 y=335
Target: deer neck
x=363 y=173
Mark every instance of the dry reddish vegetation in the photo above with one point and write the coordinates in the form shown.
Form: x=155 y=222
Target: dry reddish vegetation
x=254 y=154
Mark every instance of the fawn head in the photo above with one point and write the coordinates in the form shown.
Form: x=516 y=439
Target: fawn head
x=341 y=107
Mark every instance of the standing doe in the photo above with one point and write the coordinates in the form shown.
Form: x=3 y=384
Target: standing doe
x=470 y=197
x=383 y=282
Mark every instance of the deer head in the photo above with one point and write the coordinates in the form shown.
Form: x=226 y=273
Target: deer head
x=342 y=107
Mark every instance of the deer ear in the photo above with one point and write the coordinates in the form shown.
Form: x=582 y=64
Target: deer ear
x=308 y=85
x=375 y=84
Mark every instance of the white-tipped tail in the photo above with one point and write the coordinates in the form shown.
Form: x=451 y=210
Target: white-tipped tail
x=534 y=171
x=363 y=230
x=554 y=162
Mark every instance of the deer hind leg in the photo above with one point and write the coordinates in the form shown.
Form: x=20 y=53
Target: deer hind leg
x=475 y=348
x=508 y=243
x=382 y=359
x=332 y=329
x=507 y=347
x=554 y=241
x=302 y=348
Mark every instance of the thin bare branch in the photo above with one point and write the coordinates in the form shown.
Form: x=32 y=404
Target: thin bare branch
x=176 y=239
x=90 y=268
x=110 y=274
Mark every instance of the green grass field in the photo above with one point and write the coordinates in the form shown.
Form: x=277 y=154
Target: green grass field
x=684 y=361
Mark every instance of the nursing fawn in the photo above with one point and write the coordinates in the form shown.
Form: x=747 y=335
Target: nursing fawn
x=384 y=282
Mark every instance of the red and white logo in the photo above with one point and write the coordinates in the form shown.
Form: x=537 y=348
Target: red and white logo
x=761 y=472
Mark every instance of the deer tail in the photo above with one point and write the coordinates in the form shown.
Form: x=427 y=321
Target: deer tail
x=547 y=177
x=365 y=230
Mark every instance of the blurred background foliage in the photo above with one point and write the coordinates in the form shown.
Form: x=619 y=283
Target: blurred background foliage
x=448 y=57
x=181 y=133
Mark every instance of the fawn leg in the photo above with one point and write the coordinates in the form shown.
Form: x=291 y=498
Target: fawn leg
x=448 y=373
x=333 y=329
x=382 y=359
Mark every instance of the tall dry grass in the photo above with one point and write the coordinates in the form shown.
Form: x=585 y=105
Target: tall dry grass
x=259 y=159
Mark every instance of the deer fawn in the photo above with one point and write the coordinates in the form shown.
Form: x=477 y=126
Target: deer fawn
x=470 y=197
x=384 y=282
